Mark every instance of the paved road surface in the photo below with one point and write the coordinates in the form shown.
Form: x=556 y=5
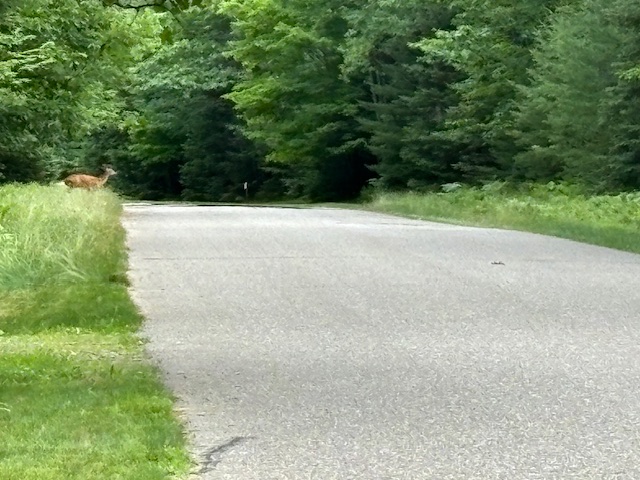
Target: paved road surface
x=332 y=344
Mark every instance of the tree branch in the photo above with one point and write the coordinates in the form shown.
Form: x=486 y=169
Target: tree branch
x=130 y=4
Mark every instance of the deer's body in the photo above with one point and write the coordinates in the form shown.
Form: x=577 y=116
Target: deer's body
x=80 y=180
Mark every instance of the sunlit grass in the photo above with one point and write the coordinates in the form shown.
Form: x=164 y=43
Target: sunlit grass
x=552 y=209
x=82 y=405
x=78 y=400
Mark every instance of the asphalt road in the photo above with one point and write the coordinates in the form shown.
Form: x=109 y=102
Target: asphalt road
x=334 y=344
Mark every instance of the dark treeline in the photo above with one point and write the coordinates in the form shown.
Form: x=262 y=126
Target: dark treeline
x=318 y=100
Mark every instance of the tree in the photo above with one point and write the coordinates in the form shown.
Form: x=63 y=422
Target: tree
x=490 y=45
x=183 y=136
x=292 y=95
x=407 y=98
x=561 y=115
x=57 y=78
x=624 y=108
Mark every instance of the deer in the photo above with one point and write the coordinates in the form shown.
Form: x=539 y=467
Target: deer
x=89 y=182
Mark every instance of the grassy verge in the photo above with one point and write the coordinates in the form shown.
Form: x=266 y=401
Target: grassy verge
x=78 y=400
x=553 y=209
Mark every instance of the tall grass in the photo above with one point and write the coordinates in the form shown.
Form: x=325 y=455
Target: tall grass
x=78 y=400
x=51 y=234
x=552 y=209
x=62 y=261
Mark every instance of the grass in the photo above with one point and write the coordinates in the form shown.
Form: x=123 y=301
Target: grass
x=78 y=399
x=553 y=209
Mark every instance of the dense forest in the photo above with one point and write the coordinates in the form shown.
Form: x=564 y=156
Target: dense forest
x=320 y=100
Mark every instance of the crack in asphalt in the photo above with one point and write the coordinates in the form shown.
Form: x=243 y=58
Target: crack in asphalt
x=214 y=455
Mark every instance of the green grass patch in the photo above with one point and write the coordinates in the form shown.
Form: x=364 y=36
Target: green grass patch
x=78 y=399
x=97 y=306
x=552 y=209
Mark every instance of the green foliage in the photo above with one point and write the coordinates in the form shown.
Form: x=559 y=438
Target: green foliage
x=292 y=95
x=218 y=158
x=403 y=118
x=562 y=115
x=624 y=111
x=59 y=72
x=182 y=138
x=490 y=45
x=191 y=99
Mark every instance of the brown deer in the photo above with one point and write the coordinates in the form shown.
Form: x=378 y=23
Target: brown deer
x=80 y=180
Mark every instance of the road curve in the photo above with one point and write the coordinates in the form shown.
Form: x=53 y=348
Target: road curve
x=333 y=344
